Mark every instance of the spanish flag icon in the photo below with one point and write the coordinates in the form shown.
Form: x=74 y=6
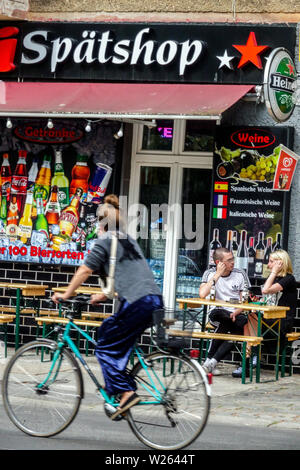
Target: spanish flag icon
x=221 y=187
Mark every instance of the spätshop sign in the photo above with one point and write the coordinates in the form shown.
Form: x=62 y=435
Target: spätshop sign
x=285 y=169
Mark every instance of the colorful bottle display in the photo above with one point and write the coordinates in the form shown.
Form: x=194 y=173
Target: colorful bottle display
x=19 y=181
x=52 y=211
x=12 y=219
x=25 y=225
x=60 y=181
x=80 y=177
x=37 y=211
x=6 y=176
x=70 y=215
x=3 y=214
x=42 y=183
x=41 y=223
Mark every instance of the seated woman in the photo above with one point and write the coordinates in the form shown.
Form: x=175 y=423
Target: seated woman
x=281 y=286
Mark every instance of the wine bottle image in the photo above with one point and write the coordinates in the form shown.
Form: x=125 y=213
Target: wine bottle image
x=268 y=251
x=277 y=245
x=229 y=240
x=251 y=257
x=229 y=168
x=214 y=244
x=259 y=255
x=242 y=253
x=235 y=246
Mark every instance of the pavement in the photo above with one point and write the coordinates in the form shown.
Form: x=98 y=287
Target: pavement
x=271 y=404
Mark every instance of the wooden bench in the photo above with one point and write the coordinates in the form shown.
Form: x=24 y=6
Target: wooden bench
x=13 y=310
x=63 y=320
x=293 y=336
x=4 y=320
x=95 y=315
x=253 y=340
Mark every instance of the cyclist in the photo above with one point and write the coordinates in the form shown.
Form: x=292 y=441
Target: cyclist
x=138 y=297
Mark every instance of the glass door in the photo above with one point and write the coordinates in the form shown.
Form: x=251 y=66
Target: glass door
x=153 y=198
x=192 y=249
x=171 y=186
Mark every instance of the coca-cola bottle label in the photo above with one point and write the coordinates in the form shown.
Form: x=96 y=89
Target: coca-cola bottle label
x=19 y=184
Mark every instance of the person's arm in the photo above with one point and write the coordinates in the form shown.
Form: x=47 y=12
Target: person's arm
x=81 y=275
x=205 y=287
x=269 y=287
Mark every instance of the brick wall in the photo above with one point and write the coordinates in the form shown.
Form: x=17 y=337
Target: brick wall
x=52 y=276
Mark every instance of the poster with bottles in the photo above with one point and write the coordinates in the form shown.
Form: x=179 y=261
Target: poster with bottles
x=52 y=181
x=247 y=215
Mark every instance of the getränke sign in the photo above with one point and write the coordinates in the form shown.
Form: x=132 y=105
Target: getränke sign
x=193 y=53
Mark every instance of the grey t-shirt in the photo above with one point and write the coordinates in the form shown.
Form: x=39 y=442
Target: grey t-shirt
x=133 y=277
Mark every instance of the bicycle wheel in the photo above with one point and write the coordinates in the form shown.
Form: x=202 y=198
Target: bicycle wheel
x=37 y=402
x=175 y=401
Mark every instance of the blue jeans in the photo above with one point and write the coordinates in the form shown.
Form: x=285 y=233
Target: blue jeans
x=116 y=338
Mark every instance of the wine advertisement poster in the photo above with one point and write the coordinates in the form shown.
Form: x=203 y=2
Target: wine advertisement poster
x=52 y=181
x=248 y=216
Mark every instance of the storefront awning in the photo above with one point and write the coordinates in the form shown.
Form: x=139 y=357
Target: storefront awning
x=118 y=100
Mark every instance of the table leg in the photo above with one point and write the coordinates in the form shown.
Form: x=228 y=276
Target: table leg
x=277 y=350
x=18 y=304
x=244 y=363
x=259 y=318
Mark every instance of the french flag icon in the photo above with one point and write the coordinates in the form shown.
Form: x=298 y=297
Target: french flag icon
x=8 y=48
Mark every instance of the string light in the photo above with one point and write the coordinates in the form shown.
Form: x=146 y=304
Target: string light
x=119 y=134
x=50 y=124
x=88 y=127
x=8 y=123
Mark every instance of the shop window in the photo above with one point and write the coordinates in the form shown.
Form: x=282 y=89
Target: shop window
x=199 y=136
x=159 y=137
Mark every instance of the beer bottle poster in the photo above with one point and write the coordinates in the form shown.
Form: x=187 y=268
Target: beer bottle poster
x=52 y=182
x=247 y=215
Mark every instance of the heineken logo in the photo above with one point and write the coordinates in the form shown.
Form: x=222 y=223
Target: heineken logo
x=280 y=84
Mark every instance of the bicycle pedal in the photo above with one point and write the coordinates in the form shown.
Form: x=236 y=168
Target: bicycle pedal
x=110 y=410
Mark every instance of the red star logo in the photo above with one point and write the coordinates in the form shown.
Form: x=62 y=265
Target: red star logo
x=291 y=68
x=250 y=52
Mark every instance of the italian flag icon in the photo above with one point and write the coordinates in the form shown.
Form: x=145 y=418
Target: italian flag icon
x=219 y=213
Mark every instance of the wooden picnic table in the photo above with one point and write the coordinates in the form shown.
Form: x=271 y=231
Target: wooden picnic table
x=23 y=290
x=264 y=312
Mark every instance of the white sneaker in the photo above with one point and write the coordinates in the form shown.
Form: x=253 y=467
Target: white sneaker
x=210 y=367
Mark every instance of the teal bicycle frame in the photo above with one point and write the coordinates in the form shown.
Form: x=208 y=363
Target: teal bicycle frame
x=66 y=339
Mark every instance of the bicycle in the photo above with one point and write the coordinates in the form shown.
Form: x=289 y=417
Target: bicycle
x=43 y=387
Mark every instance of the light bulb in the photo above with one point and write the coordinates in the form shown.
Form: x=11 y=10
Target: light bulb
x=88 y=127
x=50 y=124
x=119 y=134
x=8 y=123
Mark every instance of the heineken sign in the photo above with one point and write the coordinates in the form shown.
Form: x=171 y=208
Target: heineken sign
x=280 y=84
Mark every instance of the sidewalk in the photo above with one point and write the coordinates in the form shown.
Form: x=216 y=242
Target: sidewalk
x=270 y=403
x=267 y=404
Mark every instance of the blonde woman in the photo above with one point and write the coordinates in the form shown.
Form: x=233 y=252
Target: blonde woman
x=282 y=288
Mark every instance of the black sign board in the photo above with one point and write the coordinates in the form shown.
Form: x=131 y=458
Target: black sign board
x=150 y=52
x=247 y=215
